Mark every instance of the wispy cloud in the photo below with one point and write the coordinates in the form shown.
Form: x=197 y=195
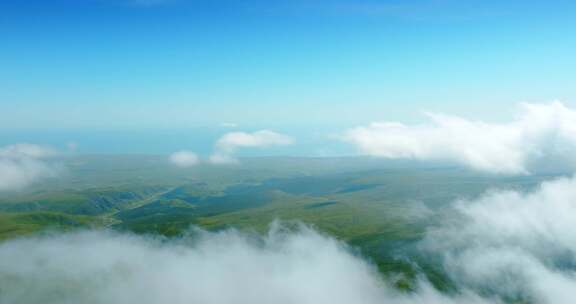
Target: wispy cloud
x=227 y=146
x=23 y=164
x=228 y=125
x=514 y=245
x=543 y=136
x=287 y=266
x=184 y=159
x=505 y=246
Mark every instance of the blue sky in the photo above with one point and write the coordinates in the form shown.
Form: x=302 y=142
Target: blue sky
x=74 y=65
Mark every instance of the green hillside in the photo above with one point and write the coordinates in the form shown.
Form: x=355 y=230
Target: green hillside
x=380 y=207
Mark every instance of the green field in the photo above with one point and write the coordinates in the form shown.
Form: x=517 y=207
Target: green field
x=380 y=207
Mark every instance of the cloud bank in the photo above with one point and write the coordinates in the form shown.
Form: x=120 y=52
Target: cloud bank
x=516 y=245
x=228 y=267
x=504 y=247
x=184 y=159
x=23 y=164
x=227 y=146
x=541 y=137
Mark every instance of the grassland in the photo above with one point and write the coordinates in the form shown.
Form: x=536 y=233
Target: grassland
x=382 y=208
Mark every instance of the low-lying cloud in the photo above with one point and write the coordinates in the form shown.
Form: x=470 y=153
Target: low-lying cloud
x=541 y=137
x=228 y=267
x=504 y=246
x=517 y=245
x=23 y=164
x=227 y=146
x=184 y=159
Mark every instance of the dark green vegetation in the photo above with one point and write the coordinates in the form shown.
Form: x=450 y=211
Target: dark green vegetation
x=380 y=207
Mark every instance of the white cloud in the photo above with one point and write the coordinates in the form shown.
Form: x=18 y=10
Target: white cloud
x=219 y=158
x=514 y=244
x=228 y=267
x=505 y=244
x=542 y=137
x=23 y=164
x=228 y=144
x=184 y=159
x=228 y=125
x=25 y=150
